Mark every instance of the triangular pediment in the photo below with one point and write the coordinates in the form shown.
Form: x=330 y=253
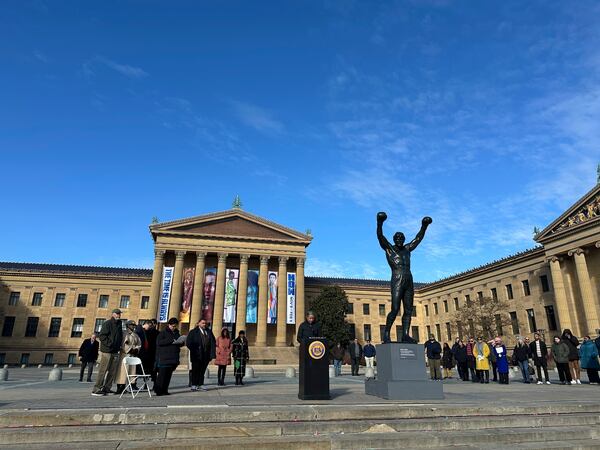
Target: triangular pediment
x=232 y=223
x=584 y=213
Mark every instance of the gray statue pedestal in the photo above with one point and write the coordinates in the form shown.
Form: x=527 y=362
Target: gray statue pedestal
x=401 y=374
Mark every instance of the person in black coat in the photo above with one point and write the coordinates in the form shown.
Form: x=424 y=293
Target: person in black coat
x=572 y=342
x=309 y=328
x=168 y=345
x=202 y=345
x=356 y=353
x=434 y=354
x=539 y=352
x=460 y=355
x=111 y=339
x=88 y=355
x=147 y=353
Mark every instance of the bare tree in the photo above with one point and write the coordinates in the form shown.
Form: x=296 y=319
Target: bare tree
x=486 y=317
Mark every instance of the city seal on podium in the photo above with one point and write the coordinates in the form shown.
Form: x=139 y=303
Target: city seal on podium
x=316 y=350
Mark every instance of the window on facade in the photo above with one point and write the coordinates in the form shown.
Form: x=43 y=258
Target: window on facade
x=71 y=358
x=103 y=301
x=438 y=331
x=24 y=358
x=77 y=330
x=427 y=310
x=494 y=294
x=514 y=322
x=550 y=317
x=381 y=332
x=456 y=305
x=2 y=359
x=350 y=309
x=445 y=305
x=413 y=313
x=8 y=327
x=415 y=332
x=544 y=283
x=382 y=310
x=145 y=302
x=352 y=330
x=509 y=291
x=435 y=309
x=468 y=300
x=367 y=332
x=124 y=301
x=531 y=320
x=471 y=328
x=365 y=308
x=448 y=331
x=54 y=330
x=398 y=332
x=459 y=326
x=14 y=298
x=37 y=299
x=98 y=325
x=32 y=325
x=82 y=300
x=48 y=359
x=59 y=300
x=526 y=290
x=428 y=328
x=479 y=296
x=498 y=320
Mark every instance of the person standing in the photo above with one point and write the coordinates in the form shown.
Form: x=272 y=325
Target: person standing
x=110 y=337
x=539 y=353
x=521 y=356
x=168 y=345
x=223 y=355
x=147 y=353
x=481 y=352
x=88 y=355
x=492 y=359
x=560 y=353
x=240 y=357
x=202 y=345
x=572 y=342
x=337 y=354
x=369 y=352
x=588 y=354
x=130 y=347
x=447 y=361
x=356 y=353
x=309 y=328
x=471 y=360
x=501 y=361
x=434 y=356
x=460 y=354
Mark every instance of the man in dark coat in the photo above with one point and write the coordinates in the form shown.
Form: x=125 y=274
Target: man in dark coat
x=356 y=353
x=147 y=334
x=88 y=354
x=168 y=344
x=434 y=355
x=539 y=353
x=202 y=345
x=111 y=338
x=309 y=328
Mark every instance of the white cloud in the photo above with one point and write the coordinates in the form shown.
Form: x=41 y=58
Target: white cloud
x=90 y=67
x=258 y=118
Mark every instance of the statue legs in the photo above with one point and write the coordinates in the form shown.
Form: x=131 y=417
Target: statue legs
x=402 y=294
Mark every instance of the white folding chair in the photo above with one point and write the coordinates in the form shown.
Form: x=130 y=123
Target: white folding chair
x=128 y=362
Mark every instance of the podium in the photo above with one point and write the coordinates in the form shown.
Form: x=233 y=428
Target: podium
x=401 y=374
x=314 y=370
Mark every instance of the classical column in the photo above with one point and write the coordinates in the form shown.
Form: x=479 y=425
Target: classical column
x=263 y=306
x=281 y=302
x=299 y=292
x=159 y=258
x=196 y=311
x=587 y=293
x=242 y=293
x=175 y=303
x=560 y=295
x=217 y=324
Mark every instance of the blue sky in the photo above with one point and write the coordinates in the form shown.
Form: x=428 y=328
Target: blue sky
x=483 y=115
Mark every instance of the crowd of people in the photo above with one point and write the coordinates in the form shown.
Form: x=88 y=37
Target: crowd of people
x=159 y=353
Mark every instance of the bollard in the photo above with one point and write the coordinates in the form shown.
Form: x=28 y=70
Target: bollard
x=3 y=375
x=5 y=366
x=55 y=375
x=332 y=372
x=56 y=366
x=40 y=366
x=23 y=366
x=369 y=373
x=511 y=374
x=249 y=372
x=290 y=372
x=70 y=366
x=207 y=374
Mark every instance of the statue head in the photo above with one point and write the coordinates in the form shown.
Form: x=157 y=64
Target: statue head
x=399 y=239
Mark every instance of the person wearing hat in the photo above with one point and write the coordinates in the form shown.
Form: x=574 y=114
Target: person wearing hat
x=168 y=345
x=130 y=347
x=111 y=338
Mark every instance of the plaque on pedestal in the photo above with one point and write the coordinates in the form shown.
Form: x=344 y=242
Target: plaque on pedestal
x=314 y=370
x=401 y=374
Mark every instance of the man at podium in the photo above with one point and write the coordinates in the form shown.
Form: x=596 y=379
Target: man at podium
x=309 y=328
x=313 y=380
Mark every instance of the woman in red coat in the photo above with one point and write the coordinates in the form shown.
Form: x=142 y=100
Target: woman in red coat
x=223 y=358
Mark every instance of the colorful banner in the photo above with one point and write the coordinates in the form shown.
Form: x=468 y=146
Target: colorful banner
x=231 y=288
x=163 y=310
x=290 y=310
x=188 y=289
x=208 y=293
x=252 y=296
x=272 y=298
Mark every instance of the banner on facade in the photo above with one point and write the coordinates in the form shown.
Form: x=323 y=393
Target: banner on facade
x=188 y=289
x=208 y=293
x=231 y=289
x=252 y=296
x=163 y=310
x=272 y=298
x=291 y=298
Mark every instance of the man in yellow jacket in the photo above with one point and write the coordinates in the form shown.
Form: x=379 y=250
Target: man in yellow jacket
x=481 y=351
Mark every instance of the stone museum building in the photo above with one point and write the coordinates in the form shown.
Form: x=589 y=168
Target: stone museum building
x=242 y=271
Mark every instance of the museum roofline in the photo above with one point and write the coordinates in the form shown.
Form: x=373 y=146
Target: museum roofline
x=340 y=281
x=7 y=266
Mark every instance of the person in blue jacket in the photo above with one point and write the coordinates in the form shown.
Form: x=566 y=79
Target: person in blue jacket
x=501 y=361
x=588 y=355
x=369 y=352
